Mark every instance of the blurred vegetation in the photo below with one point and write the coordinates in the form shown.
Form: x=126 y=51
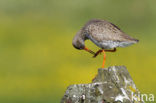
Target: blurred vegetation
x=38 y=62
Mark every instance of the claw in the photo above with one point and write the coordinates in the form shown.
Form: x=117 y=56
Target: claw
x=90 y=51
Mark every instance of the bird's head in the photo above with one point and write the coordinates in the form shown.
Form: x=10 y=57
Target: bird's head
x=78 y=43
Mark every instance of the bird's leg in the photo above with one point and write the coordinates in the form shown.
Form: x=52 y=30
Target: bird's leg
x=114 y=50
x=104 y=58
x=88 y=50
x=99 y=51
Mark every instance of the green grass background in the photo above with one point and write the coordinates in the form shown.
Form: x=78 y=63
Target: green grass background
x=38 y=62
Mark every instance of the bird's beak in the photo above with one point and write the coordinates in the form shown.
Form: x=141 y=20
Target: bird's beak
x=90 y=51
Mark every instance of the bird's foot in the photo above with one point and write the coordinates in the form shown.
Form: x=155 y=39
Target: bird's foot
x=88 y=50
x=97 y=53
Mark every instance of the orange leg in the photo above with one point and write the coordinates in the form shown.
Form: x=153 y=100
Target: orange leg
x=104 y=55
x=104 y=58
x=88 y=50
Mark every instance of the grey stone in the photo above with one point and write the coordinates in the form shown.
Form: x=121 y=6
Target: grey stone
x=111 y=85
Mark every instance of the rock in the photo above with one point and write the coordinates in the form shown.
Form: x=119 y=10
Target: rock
x=111 y=85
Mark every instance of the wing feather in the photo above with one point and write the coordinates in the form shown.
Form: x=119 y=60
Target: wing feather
x=101 y=30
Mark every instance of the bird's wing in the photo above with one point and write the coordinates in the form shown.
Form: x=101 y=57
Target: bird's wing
x=105 y=31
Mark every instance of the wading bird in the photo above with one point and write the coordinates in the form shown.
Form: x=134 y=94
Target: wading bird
x=104 y=34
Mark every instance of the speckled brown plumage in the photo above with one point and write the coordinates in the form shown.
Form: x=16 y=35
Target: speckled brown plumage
x=104 y=34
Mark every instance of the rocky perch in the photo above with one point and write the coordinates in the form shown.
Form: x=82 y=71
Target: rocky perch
x=111 y=85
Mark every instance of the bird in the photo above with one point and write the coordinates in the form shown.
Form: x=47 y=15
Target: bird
x=103 y=34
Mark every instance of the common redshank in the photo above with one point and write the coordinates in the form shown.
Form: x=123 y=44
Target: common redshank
x=104 y=34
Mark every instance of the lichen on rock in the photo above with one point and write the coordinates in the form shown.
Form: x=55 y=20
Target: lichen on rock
x=111 y=85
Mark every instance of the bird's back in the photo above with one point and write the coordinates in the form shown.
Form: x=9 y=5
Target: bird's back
x=104 y=33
